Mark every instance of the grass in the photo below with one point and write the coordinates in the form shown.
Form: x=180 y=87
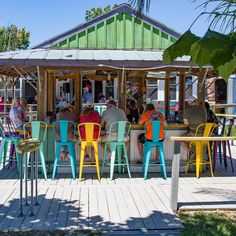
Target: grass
x=209 y=223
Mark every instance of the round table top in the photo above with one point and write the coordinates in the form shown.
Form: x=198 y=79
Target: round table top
x=186 y=138
x=226 y=115
x=28 y=145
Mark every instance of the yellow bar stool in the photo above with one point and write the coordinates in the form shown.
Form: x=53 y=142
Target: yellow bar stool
x=89 y=134
x=204 y=130
x=23 y=148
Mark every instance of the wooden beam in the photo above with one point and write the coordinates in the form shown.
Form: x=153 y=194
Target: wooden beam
x=167 y=93
x=41 y=89
x=78 y=93
x=181 y=91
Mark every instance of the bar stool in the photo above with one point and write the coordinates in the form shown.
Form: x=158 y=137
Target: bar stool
x=23 y=148
x=89 y=134
x=149 y=144
x=62 y=129
x=204 y=130
x=227 y=133
x=38 y=130
x=9 y=137
x=116 y=143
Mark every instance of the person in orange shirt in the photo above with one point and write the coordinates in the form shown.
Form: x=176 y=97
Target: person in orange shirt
x=148 y=115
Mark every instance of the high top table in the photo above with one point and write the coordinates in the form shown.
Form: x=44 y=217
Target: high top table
x=176 y=163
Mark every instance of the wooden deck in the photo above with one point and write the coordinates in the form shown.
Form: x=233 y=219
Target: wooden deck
x=118 y=205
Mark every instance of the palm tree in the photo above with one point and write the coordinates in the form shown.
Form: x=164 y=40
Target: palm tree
x=222 y=14
x=207 y=49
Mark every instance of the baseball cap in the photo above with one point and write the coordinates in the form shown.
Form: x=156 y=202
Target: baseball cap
x=112 y=102
x=89 y=104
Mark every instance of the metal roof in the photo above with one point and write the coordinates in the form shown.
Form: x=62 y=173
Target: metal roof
x=84 y=55
x=28 y=60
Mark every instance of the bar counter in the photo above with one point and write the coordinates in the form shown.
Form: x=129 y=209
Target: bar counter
x=172 y=129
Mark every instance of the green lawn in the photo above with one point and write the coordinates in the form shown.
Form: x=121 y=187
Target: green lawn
x=209 y=223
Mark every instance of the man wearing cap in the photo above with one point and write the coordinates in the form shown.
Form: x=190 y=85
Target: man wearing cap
x=87 y=96
x=112 y=114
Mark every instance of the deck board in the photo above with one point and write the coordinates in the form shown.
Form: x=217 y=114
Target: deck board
x=119 y=205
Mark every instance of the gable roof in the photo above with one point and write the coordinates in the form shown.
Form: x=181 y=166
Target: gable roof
x=123 y=8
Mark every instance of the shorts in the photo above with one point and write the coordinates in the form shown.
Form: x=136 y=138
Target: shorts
x=112 y=137
x=142 y=139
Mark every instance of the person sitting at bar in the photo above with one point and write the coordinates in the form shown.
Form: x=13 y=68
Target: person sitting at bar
x=16 y=114
x=89 y=115
x=23 y=108
x=195 y=114
x=211 y=117
x=101 y=99
x=149 y=115
x=110 y=115
x=67 y=113
x=133 y=112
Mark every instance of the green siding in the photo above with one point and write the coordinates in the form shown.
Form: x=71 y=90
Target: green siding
x=122 y=31
x=164 y=40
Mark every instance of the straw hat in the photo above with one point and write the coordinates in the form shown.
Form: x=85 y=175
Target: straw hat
x=89 y=104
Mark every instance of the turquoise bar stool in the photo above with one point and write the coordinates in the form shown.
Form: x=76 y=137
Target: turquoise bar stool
x=117 y=143
x=62 y=128
x=148 y=145
x=37 y=130
x=100 y=109
x=9 y=136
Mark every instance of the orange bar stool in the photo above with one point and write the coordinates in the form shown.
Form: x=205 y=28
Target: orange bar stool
x=89 y=134
x=204 y=130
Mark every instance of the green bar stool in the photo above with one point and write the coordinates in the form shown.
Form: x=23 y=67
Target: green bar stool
x=116 y=142
x=11 y=138
x=37 y=130
x=23 y=148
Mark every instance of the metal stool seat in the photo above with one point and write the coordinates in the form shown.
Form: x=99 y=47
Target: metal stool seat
x=24 y=147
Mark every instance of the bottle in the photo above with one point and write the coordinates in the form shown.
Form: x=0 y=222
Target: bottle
x=133 y=120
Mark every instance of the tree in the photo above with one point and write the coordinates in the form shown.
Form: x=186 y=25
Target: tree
x=95 y=12
x=216 y=47
x=13 y=38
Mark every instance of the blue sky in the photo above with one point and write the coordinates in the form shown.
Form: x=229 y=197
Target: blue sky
x=47 y=18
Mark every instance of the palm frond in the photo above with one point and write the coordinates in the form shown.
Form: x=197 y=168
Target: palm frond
x=140 y=5
x=222 y=14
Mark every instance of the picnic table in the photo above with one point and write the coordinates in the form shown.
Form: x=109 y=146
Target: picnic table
x=176 y=163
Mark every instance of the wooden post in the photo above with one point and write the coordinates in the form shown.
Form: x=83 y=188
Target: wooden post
x=201 y=86
x=181 y=91
x=41 y=88
x=122 y=89
x=167 y=93
x=78 y=93
x=54 y=90
x=50 y=92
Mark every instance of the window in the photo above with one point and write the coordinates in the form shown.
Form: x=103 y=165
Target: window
x=152 y=90
x=173 y=88
x=109 y=89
